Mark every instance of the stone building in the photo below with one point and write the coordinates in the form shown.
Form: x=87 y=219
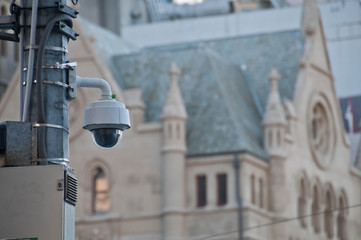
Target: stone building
x=9 y=53
x=266 y=99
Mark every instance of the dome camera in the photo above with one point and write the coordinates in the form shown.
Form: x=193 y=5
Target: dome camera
x=106 y=119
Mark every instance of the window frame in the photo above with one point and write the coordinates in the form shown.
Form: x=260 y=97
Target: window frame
x=222 y=191
x=201 y=191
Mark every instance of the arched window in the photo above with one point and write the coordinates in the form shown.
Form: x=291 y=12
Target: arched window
x=316 y=219
x=100 y=192
x=253 y=190
x=341 y=220
x=302 y=204
x=261 y=193
x=329 y=215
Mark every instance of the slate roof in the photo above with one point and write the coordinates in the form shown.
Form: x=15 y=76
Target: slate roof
x=224 y=103
x=107 y=42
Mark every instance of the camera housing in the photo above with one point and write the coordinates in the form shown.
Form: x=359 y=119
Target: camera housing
x=106 y=119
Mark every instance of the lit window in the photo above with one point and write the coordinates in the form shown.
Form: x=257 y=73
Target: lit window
x=201 y=191
x=222 y=189
x=101 y=202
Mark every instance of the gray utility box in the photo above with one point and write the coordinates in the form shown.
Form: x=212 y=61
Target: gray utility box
x=37 y=202
x=16 y=143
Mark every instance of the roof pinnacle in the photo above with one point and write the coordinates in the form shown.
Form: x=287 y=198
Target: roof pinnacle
x=174 y=106
x=274 y=77
x=274 y=111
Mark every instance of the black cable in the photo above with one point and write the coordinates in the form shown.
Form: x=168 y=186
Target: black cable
x=278 y=222
x=39 y=62
x=39 y=70
x=11 y=6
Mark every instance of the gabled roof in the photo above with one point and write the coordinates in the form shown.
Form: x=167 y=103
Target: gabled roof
x=107 y=42
x=224 y=103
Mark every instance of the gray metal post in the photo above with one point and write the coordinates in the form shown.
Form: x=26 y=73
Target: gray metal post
x=48 y=106
x=236 y=164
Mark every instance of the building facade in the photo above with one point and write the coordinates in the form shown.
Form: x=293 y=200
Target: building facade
x=9 y=54
x=264 y=99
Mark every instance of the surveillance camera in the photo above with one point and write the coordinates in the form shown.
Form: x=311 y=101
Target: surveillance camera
x=106 y=119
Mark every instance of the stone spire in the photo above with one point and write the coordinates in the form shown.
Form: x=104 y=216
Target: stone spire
x=274 y=110
x=173 y=161
x=174 y=105
x=274 y=131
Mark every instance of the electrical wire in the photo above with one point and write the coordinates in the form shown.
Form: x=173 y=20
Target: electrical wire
x=278 y=222
x=11 y=6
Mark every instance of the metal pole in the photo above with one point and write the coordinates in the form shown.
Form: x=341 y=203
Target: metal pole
x=236 y=165
x=48 y=106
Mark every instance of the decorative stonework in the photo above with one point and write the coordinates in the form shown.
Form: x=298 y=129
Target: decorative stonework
x=320 y=131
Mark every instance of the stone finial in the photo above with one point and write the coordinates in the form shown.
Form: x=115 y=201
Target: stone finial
x=174 y=70
x=310 y=16
x=274 y=77
x=174 y=105
x=274 y=111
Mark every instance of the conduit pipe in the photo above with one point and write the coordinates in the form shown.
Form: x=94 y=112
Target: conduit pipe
x=29 y=77
x=95 y=83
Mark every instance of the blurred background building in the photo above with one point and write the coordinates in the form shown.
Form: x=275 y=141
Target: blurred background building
x=267 y=83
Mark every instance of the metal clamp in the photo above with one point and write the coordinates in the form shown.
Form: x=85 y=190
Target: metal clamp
x=59 y=161
x=60 y=65
x=67 y=10
x=50 y=126
x=48 y=48
x=67 y=31
x=57 y=83
x=53 y=160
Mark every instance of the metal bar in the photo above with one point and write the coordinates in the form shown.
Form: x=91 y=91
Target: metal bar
x=21 y=63
x=29 y=77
